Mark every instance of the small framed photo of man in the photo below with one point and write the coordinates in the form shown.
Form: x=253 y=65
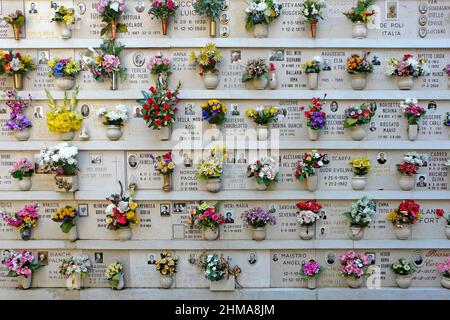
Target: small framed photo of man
x=421 y=181
x=391 y=10
x=252 y=258
x=43 y=258
x=98 y=257
x=164 y=209
x=179 y=207
x=229 y=216
x=83 y=210
x=96 y=158
x=133 y=161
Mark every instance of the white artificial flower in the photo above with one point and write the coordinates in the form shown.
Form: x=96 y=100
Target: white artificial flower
x=101 y=112
x=15 y=64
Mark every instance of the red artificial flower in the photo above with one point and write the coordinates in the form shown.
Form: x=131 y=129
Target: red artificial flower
x=409 y=206
x=168 y=117
x=7 y=56
x=122 y=219
x=440 y=212
x=18 y=55
x=146 y=117
x=150 y=101
x=152 y=89
x=311 y=205
x=146 y=106
x=166 y=107
x=158 y=122
x=169 y=94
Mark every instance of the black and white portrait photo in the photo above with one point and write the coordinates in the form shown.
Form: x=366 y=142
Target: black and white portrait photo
x=151 y=259
x=192 y=258
x=98 y=257
x=33 y=8
x=381 y=158
x=189 y=109
x=38 y=112
x=139 y=59
x=132 y=161
x=235 y=56
x=334 y=106
x=277 y=55
x=164 y=209
x=371 y=256
x=96 y=158
x=432 y=106
x=224 y=31
x=422 y=181
x=81 y=8
x=391 y=10
x=43 y=56
x=43 y=257
x=330 y=258
x=418 y=259
x=179 y=207
x=326 y=65
x=83 y=210
x=373 y=126
x=235 y=110
x=275 y=257
x=187 y=160
x=252 y=259
x=229 y=216
x=224 y=18
x=85 y=110
x=140 y=6
x=137 y=112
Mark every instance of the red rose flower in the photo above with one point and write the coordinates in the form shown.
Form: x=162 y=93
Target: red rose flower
x=146 y=106
x=146 y=117
x=166 y=107
x=168 y=117
x=122 y=219
x=158 y=122
x=150 y=101
x=440 y=212
x=18 y=55
x=169 y=94
x=152 y=89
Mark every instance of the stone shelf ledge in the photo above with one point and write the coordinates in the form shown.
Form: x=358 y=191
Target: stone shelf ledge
x=133 y=94
x=35 y=196
x=225 y=244
x=168 y=43
x=387 y=293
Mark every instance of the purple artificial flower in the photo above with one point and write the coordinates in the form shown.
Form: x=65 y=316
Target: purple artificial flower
x=18 y=122
x=317 y=120
x=258 y=218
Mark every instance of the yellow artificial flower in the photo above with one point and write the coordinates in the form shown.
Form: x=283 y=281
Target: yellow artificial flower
x=133 y=205
x=391 y=215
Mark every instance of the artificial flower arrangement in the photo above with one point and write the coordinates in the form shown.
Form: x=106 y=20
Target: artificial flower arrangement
x=356 y=119
x=218 y=271
x=160 y=66
x=18 y=122
x=407 y=169
x=165 y=165
x=163 y=10
x=403 y=217
x=361 y=168
x=360 y=16
x=307 y=168
x=310 y=271
x=166 y=265
x=263 y=117
x=273 y=81
x=67 y=217
x=17 y=65
x=208 y=219
x=403 y=269
x=121 y=213
x=406 y=70
x=20 y=264
x=111 y=12
x=413 y=113
x=24 y=219
x=311 y=12
x=74 y=269
x=64 y=120
x=307 y=216
x=114 y=120
x=16 y=20
x=358 y=67
x=441 y=213
x=353 y=267
x=61 y=159
x=444 y=270
x=261 y=13
x=361 y=215
x=215 y=113
x=115 y=276
x=64 y=71
x=257 y=218
x=207 y=60
x=159 y=108
x=66 y=19
x=210 y=9
x=265 y=171
x=312 y=69
x=210 y=168
x=105 y=63
x=23 y=170
x=256 y=71
x=316 y=118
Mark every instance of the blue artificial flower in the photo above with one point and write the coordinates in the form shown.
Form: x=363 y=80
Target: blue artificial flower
x=206 y=116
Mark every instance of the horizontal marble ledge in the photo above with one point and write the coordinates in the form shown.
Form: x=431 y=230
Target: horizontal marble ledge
x=133 y=94
x=226 y=244
x=229 y=43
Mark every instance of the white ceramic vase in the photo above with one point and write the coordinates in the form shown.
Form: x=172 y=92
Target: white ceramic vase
x=259 y=234
x=262 y=132
x=413 y=130
x=260 y=83
x=405 y=83
x=25 y=184
x=354 y=282
x=313 y=134
x=358 y=80
x=165 y=281
x=358 y=132
x=261 y=30
x=403 y=232
x=22 y=135
x=65 y=83
x=211 y=80
x=67 y=136
x=312 y=182
x=359 y=30
x=25 y=282
x=124 y=234
x=406 y=183
x=65 y=30
x=312 y=80
x=210 y=234
x=213 y=185
x=403 y=282
x=356 y=233
x=306 y=232
x=359 y=182
x=113 y=132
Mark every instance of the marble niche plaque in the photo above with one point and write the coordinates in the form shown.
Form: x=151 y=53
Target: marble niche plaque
x=100 y=260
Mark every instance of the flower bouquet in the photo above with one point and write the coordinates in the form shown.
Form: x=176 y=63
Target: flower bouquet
x=21 y=265
x=312 y=69
x=166 y=265
x=23 y=170
x=219 y=272
x=121 y=213
x=406 y=70
x=215 y=113
x=65 y=17
x=310 y=271
x=403 y=269
x=403 y=217
x=61 y=159
x=114 y=275
x=25 y=220
x=165 y=165
x=358 y=68
x=210 y=9
x=208 y=219
x=257 y=218
x=353 y=267
x=256 y=72
x=356 y=119
x=273 y=81
x=315 y=118
x=207 y=60
x=444 y=270
x=74 y=269
x=16 y=19
x=307 y=168
x=111 y=12
x=64 y=71
x=407 y=169
x=210 y=168
x=163 y=10
x=361 y=167
x=18 y=122
x=311 y=12
x=413 y=114
x=160 y=66
x=67 y=217
x=261 y=13
x=15 y=64
x=265 y=171
x=360 y=15
x=361 y=215
x=114 y=120
x=441 y=213
x=159 y=108
x=307 y=216
x=263 y=117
